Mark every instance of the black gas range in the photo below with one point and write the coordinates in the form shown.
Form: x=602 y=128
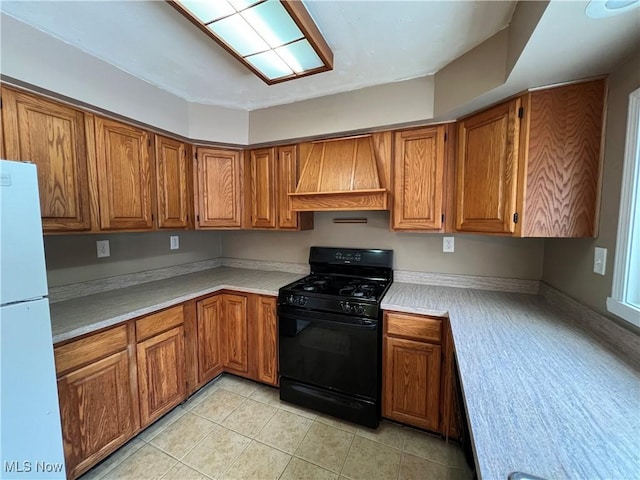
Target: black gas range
x=330 y=333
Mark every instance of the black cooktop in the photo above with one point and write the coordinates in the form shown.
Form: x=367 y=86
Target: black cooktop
x=341 y=286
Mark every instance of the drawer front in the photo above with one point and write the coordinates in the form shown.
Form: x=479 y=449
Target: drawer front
x=89 y=349
x=159 y=322
x=413 y=326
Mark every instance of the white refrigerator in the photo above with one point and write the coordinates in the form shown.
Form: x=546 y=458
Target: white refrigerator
x=30 y=431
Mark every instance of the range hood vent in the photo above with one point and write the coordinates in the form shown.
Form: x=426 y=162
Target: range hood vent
x=344 y=174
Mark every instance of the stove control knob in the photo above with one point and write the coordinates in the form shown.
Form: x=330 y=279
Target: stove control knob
x=302 y=300
x=291 y=299
x=359 y=309
x=346 y=307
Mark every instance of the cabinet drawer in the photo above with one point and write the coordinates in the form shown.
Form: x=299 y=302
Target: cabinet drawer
x=158 y=322
x=414 y=327
x=86 y=350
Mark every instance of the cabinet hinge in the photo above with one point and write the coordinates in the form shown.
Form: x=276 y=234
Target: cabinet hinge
x=515 y=217
x=0 y=102
x=198 y=218
x=196 y=155
x=443 y=218
x=152 y=217
x=520 y=112
x=445 y=136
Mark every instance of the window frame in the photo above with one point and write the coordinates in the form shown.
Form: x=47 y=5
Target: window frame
x=628 y=220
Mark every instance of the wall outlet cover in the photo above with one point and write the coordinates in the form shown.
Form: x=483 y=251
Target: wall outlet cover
x=600 y=260
x=103 y=248
x=448 y=245
x=174 y=242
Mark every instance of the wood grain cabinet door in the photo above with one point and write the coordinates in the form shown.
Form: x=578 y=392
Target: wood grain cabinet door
x=418 y=179
x=486 y=170
x=124 y=176
x=161 y=374
x=52 y=136
x=235 y=334
x=97 y=411
x=263 y=188
x=267 y=340
x=219 y=188
x=411 y=379
x=172 y=180
x=209 y=324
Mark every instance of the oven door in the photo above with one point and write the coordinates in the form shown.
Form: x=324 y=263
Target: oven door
x=332 y=351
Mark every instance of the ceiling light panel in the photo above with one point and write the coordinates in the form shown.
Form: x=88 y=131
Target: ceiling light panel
x=276 y=39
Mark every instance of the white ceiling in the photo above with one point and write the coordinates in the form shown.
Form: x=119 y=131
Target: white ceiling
x=374 y=42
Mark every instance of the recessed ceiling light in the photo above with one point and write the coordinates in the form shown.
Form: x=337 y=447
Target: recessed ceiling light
x=609 y=8
x=276 y=39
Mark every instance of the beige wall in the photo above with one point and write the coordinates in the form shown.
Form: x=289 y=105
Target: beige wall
x=474 y=255
x=389 y=104
x=72 y=258
x=568 y=263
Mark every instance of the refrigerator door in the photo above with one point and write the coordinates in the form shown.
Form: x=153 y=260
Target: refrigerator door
x=22 y=269
x=30 y=431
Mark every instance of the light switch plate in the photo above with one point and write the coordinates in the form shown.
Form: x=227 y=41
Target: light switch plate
x=103 y=248
x=174 y=242
x=600 y=260
x=448 y=245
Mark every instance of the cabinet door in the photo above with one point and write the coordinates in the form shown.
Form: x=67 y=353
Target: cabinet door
x=124 y=176
x=219 y=185
x=235 y=334
x=53 y=137
x=263 y=188
x=97 y=411
x=172 y=180
x=486 y=167
x=418 y=179
x=209 y=319
x=267 y=341
x=287 y=180
x=161 y=374
x=411 y=379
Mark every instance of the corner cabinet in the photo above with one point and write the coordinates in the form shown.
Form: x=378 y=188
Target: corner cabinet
x=53 y=136
x=124 y=176
x=218 y=188
x=412 y=370
x=272 y=175
x=173 y=179
x=98 y=396
x=419 y=177
x=531 y=167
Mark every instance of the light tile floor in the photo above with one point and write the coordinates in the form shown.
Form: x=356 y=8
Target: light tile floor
x=238 y=429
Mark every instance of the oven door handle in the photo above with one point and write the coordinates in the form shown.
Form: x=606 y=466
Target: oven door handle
x=328 y=318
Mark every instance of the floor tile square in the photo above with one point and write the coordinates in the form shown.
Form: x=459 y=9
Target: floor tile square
x=249 y=418
x=259 y=462
x=285 y=431
x=371 y=460
x=195 y=399
x=268 y=395
x=325 y=446
x=238 y=385
x=417 y=468
x=183 y=434
x=113 y=460
x=305 y=412
x=299 y=469
x=387 y=433
x=161 y=424
x=145 y=463
x=337 y=422
x=218 y=405
x=433 y=448
x=216 y=452
x=181 y=472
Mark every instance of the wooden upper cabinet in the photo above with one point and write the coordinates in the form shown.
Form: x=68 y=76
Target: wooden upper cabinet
x=418 y=179
x=172 y=183
x=219 y=188
x=486 y=170
x=124 y=176
x=52 y=136
x=263 y=188
x=287 y=179
x=561 y=142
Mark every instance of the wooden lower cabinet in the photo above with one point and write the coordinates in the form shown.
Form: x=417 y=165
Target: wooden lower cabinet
x=412 y=370
x=265 y=349
x=98 y=397
x=209 y=319
x=235 y=331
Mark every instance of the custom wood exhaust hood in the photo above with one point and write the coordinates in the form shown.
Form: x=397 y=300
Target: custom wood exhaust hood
x=344 y=174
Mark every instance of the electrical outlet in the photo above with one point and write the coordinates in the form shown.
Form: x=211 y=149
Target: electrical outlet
x=174 y=242
x=103 y=248
x=600 y=260
x=448 y=244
